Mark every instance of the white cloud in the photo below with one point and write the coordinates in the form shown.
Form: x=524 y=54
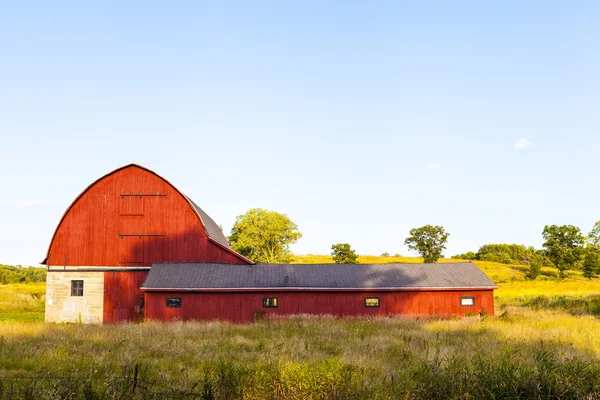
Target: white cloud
x=30 y=203
x=434 y=166
x=523 y=144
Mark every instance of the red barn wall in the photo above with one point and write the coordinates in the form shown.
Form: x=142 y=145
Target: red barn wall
x=122 y=294
x=90 y=234
x=240 y=307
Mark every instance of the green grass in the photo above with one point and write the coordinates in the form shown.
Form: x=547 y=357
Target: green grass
x=544 y=343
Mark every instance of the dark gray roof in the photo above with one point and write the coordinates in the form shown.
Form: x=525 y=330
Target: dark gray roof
x=331 y=276
x=212 y=229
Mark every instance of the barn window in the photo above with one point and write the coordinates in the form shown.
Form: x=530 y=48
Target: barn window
x=270 y=302
x=467 y=301
x=76 y=288
x=371 y=301
x=174 y=302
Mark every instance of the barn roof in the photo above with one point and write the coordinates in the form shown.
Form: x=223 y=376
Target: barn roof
x=212 y=276
x=213 y=231
x=210 y=226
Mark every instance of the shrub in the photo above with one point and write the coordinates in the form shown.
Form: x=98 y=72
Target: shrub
x=534 y=270
x=342 y=253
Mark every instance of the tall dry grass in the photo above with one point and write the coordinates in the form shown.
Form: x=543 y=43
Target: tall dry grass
x=544 y=343
x=520 y=354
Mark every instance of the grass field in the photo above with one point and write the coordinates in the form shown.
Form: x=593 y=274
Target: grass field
x=22 y=302
x=544 y=343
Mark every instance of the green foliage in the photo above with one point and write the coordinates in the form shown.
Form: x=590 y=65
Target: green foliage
x=591 y=263
x=594 y=235
x=385 y=254
x=18 y=274
x=264 y=236
x=429 y=241
x=534 y=270
x=466 y=256
x=564 y=246
x=342 y=253
x=506 y=254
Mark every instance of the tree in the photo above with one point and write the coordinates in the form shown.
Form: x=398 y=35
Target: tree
x=342 y=253
x=591 y=263
x=534 y=270
x=563 y=245
x=264 y=236
x=429 y=241
x=594 y=235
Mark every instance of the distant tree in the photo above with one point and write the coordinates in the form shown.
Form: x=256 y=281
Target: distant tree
x=564 y=246
x=342 y=253
x=264 y=236
x=19 y=274
x=534 y=270
x=466 y=256
x=594 y=235
x=591 y=263
x=386 y=254
x=429 y=241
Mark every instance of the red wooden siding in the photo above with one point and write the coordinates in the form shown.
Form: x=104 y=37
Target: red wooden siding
x=165 y=228
x=122 y=294
x=239 y=307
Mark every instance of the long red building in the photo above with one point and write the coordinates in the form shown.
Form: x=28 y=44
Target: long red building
x=132 y=245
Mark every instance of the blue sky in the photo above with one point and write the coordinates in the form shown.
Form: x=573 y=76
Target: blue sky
x=359 y=120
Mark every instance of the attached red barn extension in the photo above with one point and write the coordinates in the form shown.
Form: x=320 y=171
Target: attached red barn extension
x=132 y=245
x=238 y=293
x=244 y=306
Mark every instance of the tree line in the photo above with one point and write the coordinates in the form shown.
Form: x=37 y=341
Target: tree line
x=266 y=236
x=18 y=274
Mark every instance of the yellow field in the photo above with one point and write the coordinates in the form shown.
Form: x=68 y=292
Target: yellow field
x=22 y=302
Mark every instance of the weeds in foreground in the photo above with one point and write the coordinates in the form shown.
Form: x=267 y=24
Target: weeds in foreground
x=520 y=354
x=499 y=376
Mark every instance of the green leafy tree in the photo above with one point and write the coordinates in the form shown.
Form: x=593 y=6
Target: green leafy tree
x=591 y=263
x=594 y=235
x=264 y=236
x=429 y=241
x=564 y=246
x=534 y=270
x=342 y=253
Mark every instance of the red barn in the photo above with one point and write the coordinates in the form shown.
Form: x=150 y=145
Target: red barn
x=111 y=235
x=133 y=244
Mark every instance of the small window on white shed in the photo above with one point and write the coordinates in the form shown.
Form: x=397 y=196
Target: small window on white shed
x=76 y=288
x=467 y=301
